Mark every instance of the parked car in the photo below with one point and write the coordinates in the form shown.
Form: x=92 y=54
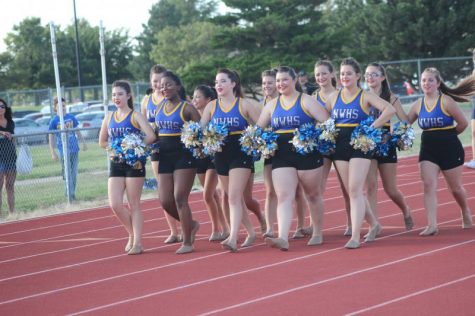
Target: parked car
x=33 y=116
x=27 y=127
x=43 y=121
x=92 y=121
x=21 y=113
x=100 y=107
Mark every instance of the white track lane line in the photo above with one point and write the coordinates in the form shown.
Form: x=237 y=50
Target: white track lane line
x=339 y=277
x=192 y=284
x=401 y=298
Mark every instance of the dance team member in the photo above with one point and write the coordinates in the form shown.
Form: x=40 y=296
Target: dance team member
x=123 y=177
x=378 y=84
x=150 y=105
x=232 y=165
x=286 y=113
x=436 y=112
x=270 y=92
x=207 y=174
x=177 y=167
x=326 y=82
x=349 y=107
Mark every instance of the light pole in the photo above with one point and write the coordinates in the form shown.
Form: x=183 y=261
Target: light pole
x=78 y=60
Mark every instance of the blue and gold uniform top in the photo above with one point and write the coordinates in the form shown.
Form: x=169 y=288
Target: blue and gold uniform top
x=321 y=99
x=152 y=107
x=287 y=119
x=117 y=128
x=233 y=118
x=348 y=112
x=434 y=117
x=170 y=123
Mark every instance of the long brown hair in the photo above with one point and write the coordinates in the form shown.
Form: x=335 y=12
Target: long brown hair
x=234 y=77
x=293 y=74
x=330 y=68
x=385 y=90
x=461 y=93
x=350 y=61
x=126 y=86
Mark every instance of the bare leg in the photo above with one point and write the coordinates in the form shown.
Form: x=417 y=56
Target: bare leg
x=453 y=177
x=429 y=173
x=271 y=202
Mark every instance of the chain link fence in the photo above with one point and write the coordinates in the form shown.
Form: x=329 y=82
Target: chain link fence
x=40 y=183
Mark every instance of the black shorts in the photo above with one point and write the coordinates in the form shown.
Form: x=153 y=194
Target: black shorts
x=123 y=170
x=286 y=156
x=231 y=157
x=268 y=161
x=344 y=150
x=174 y=156
x=202 y=165
x=443 y=148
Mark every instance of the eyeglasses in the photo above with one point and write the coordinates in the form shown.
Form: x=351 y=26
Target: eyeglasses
x=3 y=106
x=372 y=75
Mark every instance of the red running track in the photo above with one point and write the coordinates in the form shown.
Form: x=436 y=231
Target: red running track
x=74 y=264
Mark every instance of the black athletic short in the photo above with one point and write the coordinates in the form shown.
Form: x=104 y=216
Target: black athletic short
x=268 y=161
x=286 y=156
x=174 y=156
x=344 y=150
x=443 y=148
x=231 y=157
x=202 y=165
x=123 y=170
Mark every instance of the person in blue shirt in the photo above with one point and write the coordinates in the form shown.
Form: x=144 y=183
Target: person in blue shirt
x=70 y=122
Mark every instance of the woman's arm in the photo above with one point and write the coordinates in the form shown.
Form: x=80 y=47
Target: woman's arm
x=317 y=111
x=252 y=110
x=191 y=113
x=413 y=112
x=454 y=110
x=103 y=135
x=401 y=115
x=266 y=114
x=207 y=112
x=386 y=109
x=145 y=128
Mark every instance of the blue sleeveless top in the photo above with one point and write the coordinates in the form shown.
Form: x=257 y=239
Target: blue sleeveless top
x=320 y=99
x=153 y=107
x=233 y=118
x=348 y=112
x=435 y=117
x=117 y=128
x=170 y=124
x=287 y=119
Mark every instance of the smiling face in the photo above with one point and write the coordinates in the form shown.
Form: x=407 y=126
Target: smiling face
x=155 y=82
x=120 y=97
x=374 y=77
x=348 y=77
x=285 y=83
x=224 y=85
x=323 y=76
x=169 y=88
x=199 y=100
x=429 y=82
x=268 y=86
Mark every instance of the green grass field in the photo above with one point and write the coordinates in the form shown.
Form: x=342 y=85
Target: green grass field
x=43 y=188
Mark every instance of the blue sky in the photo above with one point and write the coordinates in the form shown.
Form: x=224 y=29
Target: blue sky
x=115 y=14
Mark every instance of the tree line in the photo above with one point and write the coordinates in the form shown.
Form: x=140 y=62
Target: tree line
x=193 y=39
